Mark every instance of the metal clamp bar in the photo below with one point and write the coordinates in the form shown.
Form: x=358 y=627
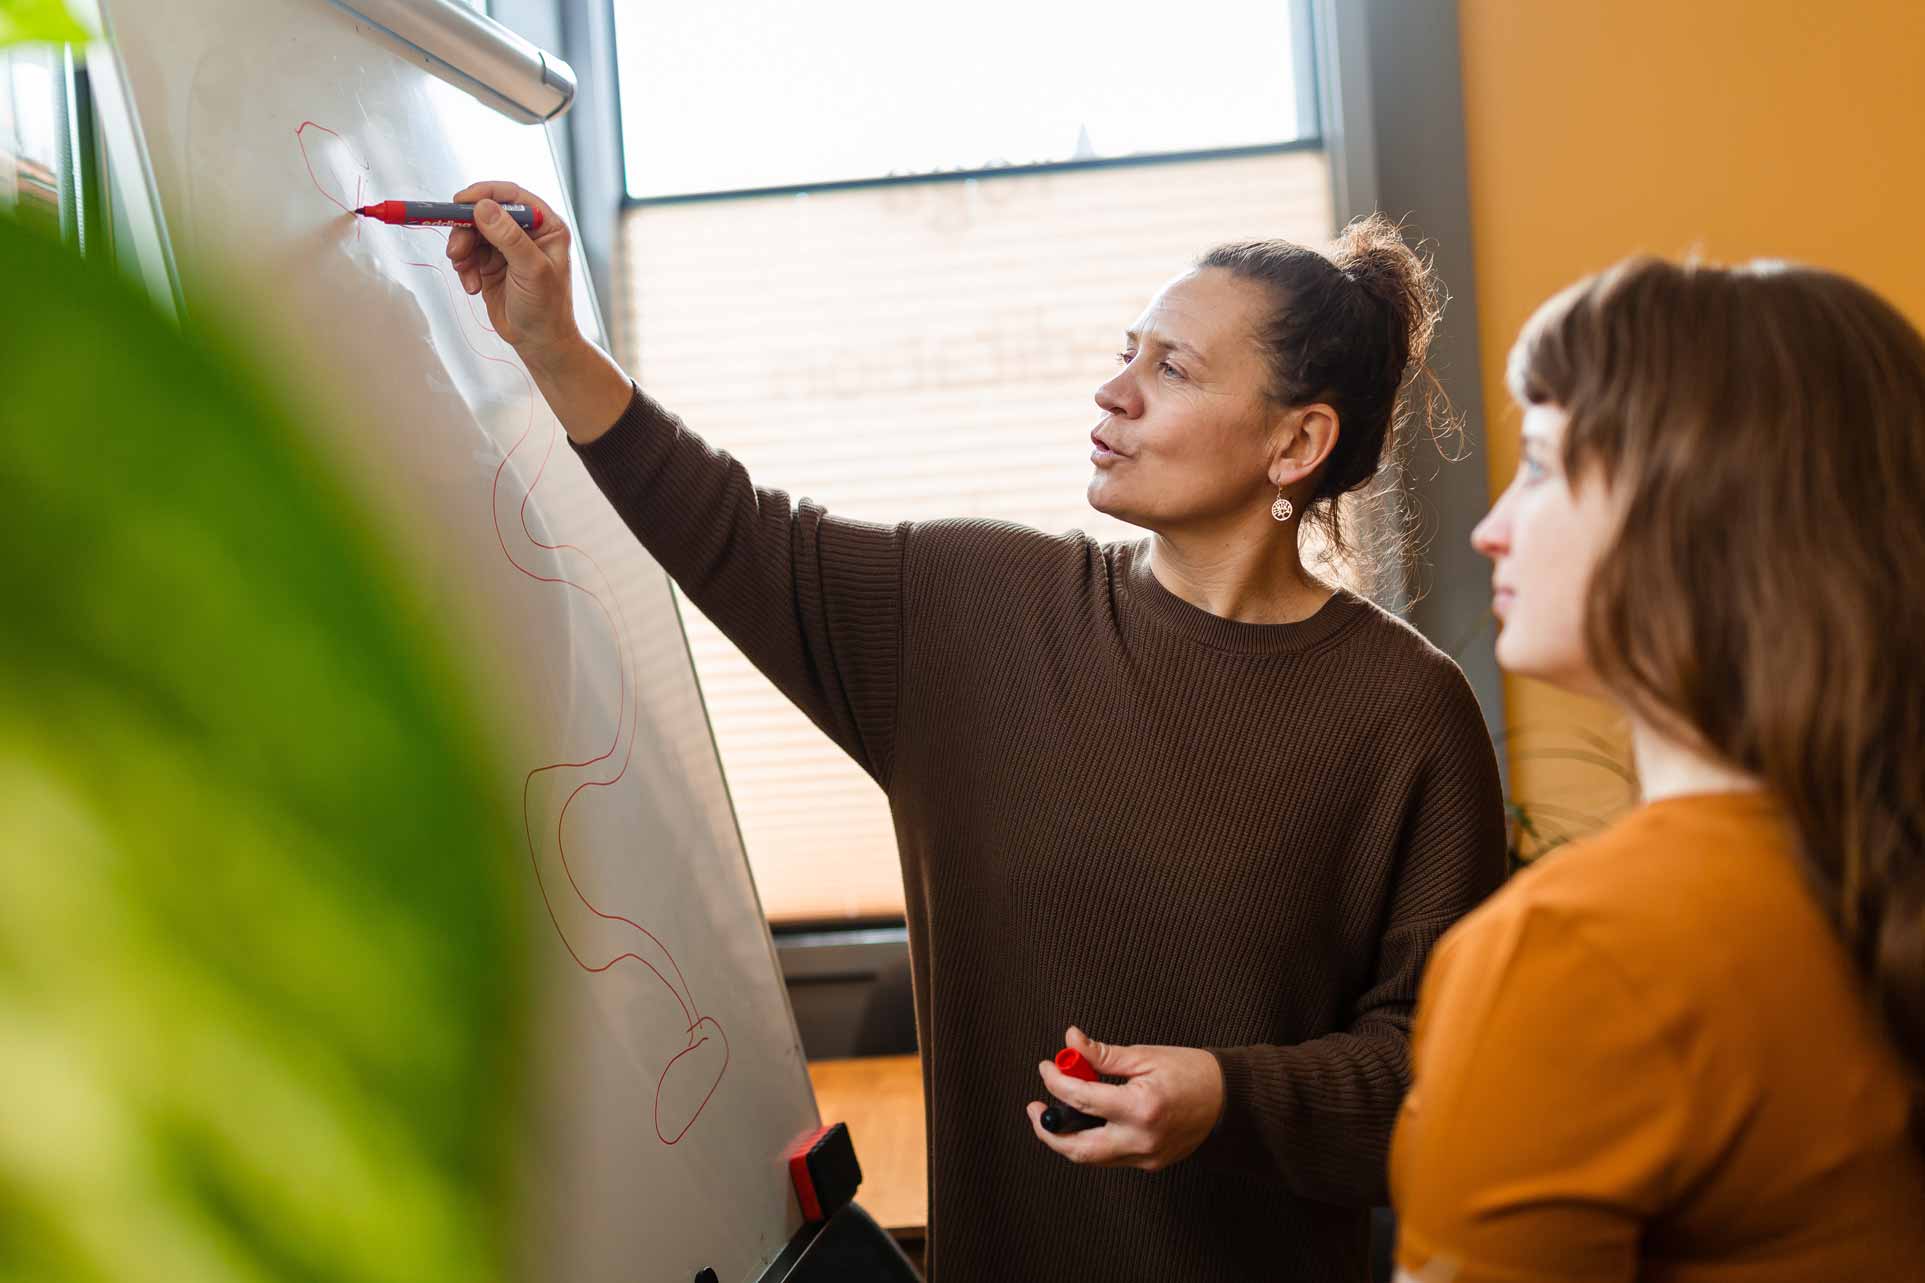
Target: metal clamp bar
x=531 y=84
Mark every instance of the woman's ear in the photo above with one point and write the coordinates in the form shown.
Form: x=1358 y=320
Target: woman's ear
x=1305 y=438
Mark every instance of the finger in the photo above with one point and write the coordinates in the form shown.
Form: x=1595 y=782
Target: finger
x=1068 y=1145
x=488 y=268
x=461 y=243
x=1116 y=1061
x=484 y=267
x=1102 y=1099
x=552 y=227
x=505 y=193
x=1098 y=1147
x=1034 y=1111
x=506 y=235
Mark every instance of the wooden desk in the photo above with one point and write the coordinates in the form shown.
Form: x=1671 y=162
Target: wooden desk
x=880 y=1098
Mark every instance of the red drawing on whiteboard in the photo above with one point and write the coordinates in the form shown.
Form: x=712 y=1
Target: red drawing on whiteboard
x=359 y=165
x=690 y=1079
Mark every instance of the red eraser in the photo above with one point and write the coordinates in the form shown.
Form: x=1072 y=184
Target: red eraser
x=823 y=1166
x=1073 y=1064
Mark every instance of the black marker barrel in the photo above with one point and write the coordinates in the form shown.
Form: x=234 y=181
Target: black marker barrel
x=1060 y=1119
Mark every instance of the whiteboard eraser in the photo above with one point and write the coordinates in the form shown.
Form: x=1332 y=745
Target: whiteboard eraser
x=823 y=1166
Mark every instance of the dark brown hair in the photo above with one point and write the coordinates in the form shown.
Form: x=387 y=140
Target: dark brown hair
x=1765 y=429
x=1350 y=326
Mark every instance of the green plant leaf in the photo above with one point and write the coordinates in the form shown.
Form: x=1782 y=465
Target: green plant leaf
x=261 y=981
x=27 y=21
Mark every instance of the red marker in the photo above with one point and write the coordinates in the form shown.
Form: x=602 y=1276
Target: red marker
x=428 y=213
x=1058 y=1119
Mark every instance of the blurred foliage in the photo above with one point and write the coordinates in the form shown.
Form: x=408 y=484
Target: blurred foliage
x=1599 y=784
x=1537 y=828
x=261 y=990
x=22 y=21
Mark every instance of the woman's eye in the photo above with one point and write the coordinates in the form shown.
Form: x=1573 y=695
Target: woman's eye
x=1125 y=357
x=1170 y=370
x=1532 y=469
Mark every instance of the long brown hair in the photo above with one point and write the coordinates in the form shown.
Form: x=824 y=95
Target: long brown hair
x=1765 y=426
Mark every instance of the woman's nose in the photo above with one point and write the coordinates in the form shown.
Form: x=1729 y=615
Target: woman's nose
x=1492 y=536
x=1115 y=398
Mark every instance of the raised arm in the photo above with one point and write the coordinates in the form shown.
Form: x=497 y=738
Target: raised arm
x=812 y=600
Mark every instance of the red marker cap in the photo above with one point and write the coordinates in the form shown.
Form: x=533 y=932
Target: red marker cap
x=1072 y=1063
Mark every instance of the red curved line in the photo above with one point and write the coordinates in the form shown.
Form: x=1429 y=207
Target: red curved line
x=719 y=1075
x=541 y=885
x=477 y=311
x=617 y=626
x=312 y=176
x=682 y=992
x=561 y=847
x=617 y=623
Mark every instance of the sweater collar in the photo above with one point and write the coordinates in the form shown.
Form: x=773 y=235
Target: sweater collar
x=1167 y=611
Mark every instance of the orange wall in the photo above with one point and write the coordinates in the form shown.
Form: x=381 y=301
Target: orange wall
x=1736 y=128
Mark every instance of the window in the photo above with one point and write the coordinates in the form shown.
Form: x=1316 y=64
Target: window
x=767 y=93
x=32 y=133
x=919 y=346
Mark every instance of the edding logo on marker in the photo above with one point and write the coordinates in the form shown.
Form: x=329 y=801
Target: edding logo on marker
x=1060 y=1118
x=429 y=213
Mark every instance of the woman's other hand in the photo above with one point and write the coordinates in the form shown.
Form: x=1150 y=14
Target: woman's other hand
x=1171 y=1101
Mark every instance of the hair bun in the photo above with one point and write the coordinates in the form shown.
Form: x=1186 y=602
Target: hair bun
x=1349 y=325
x=1371 y=253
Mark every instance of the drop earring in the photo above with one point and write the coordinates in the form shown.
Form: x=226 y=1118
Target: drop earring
x=1282 y=509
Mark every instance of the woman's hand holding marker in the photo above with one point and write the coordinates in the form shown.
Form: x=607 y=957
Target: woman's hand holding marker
x=524 y=279
x=1166 y=1109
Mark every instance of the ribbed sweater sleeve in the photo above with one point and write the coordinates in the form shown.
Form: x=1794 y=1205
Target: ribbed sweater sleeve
x=814 y=601
x=1321 y=1112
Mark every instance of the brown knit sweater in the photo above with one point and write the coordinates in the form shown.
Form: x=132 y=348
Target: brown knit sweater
x=1120 y=811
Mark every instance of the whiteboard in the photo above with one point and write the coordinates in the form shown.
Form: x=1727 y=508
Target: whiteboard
x=670 y=1078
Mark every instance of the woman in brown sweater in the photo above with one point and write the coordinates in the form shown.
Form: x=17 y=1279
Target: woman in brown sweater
x=1180 y=792
x=1691 y=1048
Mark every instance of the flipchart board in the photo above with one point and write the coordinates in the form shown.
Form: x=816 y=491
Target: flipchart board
x=670 y=1077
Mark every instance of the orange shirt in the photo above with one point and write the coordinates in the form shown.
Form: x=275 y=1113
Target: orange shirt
x=1650 y=1057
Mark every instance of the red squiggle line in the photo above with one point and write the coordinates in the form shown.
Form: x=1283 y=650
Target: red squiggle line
x=615 y=626
x=358 y=180
x=683 y=994
x=299 y=130
x=679 y=987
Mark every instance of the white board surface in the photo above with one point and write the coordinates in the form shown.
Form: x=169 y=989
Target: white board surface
x=670 y=1076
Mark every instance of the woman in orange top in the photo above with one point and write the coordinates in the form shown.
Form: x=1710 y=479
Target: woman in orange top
x=1691 y=1048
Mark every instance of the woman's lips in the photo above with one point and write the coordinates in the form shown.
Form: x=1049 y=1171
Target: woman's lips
x=1103 y=453
x=1501 y=599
